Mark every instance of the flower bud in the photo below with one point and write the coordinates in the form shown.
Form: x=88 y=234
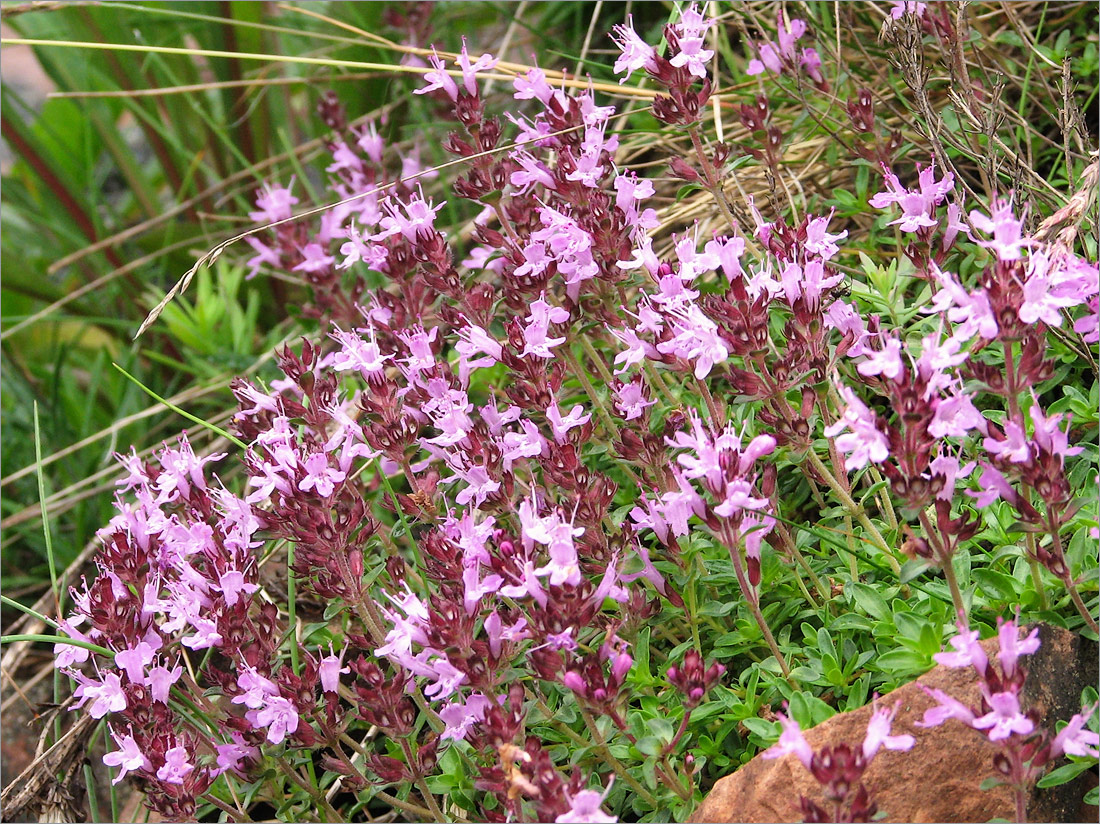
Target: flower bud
x=621 y=666
x=683 y=170
x=575 y=682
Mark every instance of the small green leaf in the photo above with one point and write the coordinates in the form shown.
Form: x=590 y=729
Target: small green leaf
x=684 y=191
x=662 y=729
x=912 y=569
x=903 y=661
x=1064 y=774
x=765 y=729
x=650 y=745
x=996 y=584
x=868 y=600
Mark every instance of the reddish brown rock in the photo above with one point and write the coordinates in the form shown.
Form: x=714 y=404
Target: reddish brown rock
x=939 y=780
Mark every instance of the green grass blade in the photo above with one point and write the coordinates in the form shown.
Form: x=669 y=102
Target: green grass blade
x=47 y=532
x=194 y=418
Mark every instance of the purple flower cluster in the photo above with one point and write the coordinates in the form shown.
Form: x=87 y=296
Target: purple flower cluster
x=177 y=576
x=1026 y=750
x=839 y=768
x=467 y=505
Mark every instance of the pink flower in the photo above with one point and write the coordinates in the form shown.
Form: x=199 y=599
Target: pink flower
x=535 y=334
x=1088 y=326
x=918 y=206
x=785 y=56
x=904 y=7
x=406 y=219
x=968 y=651
x=791 y=741
x=629 y=191
x=274 y=203
x=448 y=678
x=408 y=629
x=315 y=259
x=651 y=518
x=460 y=716
x=811 y=64
x=819 y=241
x=678 y=505
x=1008 y=241
x=439 y=79
x=585 y=809
x=230 y=755
x=788 y=35
x=319 y=475
x=630 y=399
x=232 y=584
x=278 y=715
x=636 y=352
x=475 y=588
x=176 y=766
x=479 y=486
x=864 y=443
x=557 y=535
x=692 y=56
x=955 y=416
x=947 y=467
x=635 y=53
x=1049 y=435
x=768 y=60
x=128 y=756
x=329 y=670
x=470 y=70
x=1041 y=300
x=1013 y=447
x=560 y=425
x=533 y=85
x=885 y=362
x=344 y=158
x=993 y=485
x=738 y=497
x=1005 y=718
x=937 y=358
x=843 y=317
x=948 y=708
x=1012 y=646
x=370 y=142
x=692 y=23
x=702 y=460
x=878 y=733
x=183 y=469
x=419 y=342
x=696 y=339
x=728 y=251
x=971 y=312
x=494 y=627
x=526 y=444
x=1076 y=739
x=160 y=680
x=753 y=529
x=256 y=689
x=807 y=282
x=107 y=696
x=531 y=172
x=134 y=661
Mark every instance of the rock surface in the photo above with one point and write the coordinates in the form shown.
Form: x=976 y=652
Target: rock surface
x=939 y=780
